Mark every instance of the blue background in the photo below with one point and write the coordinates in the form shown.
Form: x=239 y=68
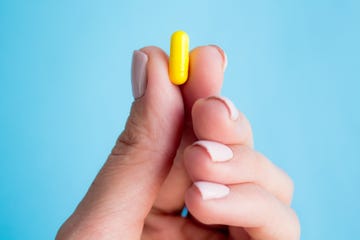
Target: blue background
x=65 y=95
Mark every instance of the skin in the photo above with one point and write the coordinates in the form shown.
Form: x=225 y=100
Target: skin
x=148 y=177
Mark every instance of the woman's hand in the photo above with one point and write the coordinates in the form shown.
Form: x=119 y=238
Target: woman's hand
x=185 y=146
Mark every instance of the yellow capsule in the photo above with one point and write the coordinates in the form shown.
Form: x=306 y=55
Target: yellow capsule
x=179 y=57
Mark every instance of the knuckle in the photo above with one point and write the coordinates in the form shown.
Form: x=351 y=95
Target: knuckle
x=127 y=142
x=137 y=135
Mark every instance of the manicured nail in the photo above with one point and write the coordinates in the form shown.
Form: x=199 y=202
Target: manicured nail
x=218 y=152
x=211 y=190
x=223 y=54
x=138 y=73
x=233 y=111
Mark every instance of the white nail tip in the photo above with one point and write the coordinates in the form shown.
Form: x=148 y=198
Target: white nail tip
x=225 y=61
x=211 y=190
x=218 y=152
x=234 y=112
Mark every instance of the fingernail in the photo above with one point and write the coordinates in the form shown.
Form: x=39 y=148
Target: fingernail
x=209 y=190
x=223 y=54
x=218 y=152
x=138 y=73
x=233 y=111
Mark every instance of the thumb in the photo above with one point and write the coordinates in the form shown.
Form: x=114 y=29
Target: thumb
x=123 y=192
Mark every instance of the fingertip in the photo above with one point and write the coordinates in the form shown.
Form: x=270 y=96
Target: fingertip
x=232 y=127
x=223 y=54
x=205 y=74
x=209 y=112
x=152 y=50
x=158 y=105
x=194 y=203
x=203 y=199
x=160 y=93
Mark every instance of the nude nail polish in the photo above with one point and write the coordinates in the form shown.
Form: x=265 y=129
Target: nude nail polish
x=210 y=190
x=218 y=152
x=138 y=73
x=223 y=54
x=233 y=111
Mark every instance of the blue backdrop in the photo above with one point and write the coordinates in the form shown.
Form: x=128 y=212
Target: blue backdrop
x=65 y=95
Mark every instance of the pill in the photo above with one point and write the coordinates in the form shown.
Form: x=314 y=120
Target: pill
x=179 y=57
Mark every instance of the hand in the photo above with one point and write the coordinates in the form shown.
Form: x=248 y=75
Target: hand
x=158 y=164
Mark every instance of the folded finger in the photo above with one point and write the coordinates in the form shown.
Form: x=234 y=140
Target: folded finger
x=243 y=205
x=234 y=164
x=217 y=119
